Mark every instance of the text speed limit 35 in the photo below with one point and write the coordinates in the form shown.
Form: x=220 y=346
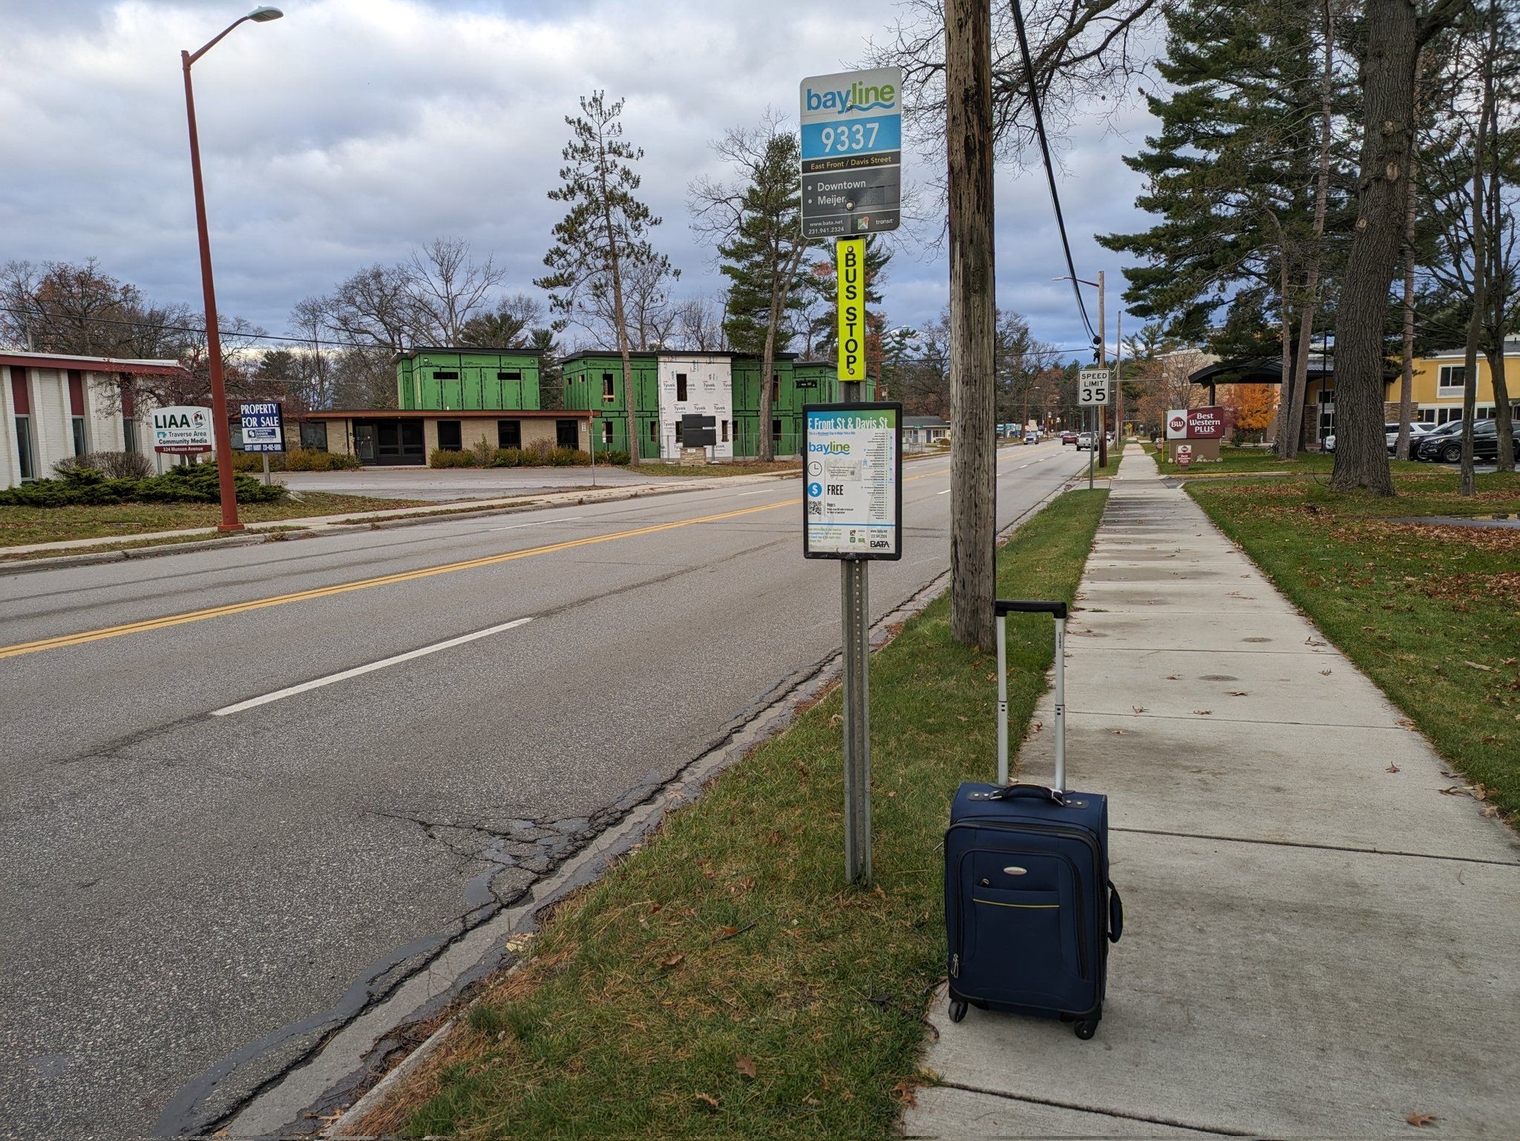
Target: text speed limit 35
x=1093 y=386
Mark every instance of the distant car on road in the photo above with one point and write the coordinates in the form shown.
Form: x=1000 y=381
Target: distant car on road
x=1085 y=440
x=1031 y=437
x=1068 y=437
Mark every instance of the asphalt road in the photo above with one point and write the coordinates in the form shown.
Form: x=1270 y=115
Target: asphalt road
x=196 y=890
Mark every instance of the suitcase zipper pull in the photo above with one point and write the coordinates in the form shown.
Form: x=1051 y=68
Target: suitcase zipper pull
x=955 y=966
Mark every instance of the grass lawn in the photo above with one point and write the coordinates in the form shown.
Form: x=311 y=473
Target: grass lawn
x=22 y=525
x=723 y=981
x=1431 y=614
x=1233 y=461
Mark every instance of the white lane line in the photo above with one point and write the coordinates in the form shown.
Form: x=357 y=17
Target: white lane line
x=520 y=526
x=357 y=671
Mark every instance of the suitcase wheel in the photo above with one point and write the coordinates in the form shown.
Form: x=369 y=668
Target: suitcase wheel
x=1086 y=1029
x=958 y=1010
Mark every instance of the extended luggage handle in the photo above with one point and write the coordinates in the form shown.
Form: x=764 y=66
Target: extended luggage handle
x=1115 y=913
x=1001 y=608
x=1011 y=791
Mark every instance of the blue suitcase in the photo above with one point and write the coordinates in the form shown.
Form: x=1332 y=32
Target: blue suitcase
x=1029 y=907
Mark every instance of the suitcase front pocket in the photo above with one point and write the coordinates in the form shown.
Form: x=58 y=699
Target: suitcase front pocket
x=1023 y=942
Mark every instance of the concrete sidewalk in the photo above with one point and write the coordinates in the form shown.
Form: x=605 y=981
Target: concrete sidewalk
x=1318 y=942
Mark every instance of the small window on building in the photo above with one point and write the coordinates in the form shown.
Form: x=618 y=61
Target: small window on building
x=510 y=374
x=680 y=386
x=314 y=435
x=128 y=434
x=509 y=433
x=678 y=433
x=76 y=410
x=566 y=434
x=77 y=424
x=725 y=431
x=446 y=374
x=607 y=393
x=607 y=431
x=449 y=436
x=775 y=386
x=654 y=432
x=24 y=447
x=776 y=430
x=1453 y=375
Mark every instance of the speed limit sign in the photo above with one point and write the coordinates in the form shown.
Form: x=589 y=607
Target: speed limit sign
x=1093 y=386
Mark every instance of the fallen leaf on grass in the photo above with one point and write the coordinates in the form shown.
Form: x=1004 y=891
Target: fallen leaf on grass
x=707 y=1100
x=1453 y=790
x=1478 y=666
x=674 y=961
x=904 y=1094
x=1415 y=1117
x=745 y=1066
x=1490 y=810
x=725 y=932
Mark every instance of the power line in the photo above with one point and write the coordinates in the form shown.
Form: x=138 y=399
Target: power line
x=201 y=332
x=1050 y=174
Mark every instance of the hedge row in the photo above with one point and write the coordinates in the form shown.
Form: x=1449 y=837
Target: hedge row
x=87 y=487
x=297 y=459
x=535 y=455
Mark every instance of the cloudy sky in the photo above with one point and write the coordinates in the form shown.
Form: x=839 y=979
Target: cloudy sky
x=351 y=131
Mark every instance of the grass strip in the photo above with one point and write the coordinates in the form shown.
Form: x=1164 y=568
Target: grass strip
x=1431 y=614
x=723 y=981
x=20 y=526
x=715 y=470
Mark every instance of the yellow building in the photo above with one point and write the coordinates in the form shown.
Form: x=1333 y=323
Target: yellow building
x=1438 y=381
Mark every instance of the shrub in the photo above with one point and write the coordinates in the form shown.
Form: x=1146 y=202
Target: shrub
x=311 y=459
x=481 y=452
x=441 y=458
x=507 y=457
x=617 y=459
x=112 y=465
x=196 y=483
x=568 y=457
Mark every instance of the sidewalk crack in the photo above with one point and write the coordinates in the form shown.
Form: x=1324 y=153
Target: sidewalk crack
x=1319 y=847
x=1211 y=1131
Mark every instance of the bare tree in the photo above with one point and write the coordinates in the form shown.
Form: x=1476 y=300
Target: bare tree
x=448 y=287
x=699 y=325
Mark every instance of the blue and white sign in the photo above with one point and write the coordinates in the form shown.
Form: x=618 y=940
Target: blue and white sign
x=851 y=153
x=263 y=427
x=853 y=505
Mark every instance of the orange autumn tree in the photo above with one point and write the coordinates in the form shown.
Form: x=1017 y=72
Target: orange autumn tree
x=1254 y=406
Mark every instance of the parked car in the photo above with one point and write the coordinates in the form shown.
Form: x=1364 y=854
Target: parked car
x=1085 y=440
x=1428 y=447
x=1417 y=428
x=1446 y=448
x=1068 y=437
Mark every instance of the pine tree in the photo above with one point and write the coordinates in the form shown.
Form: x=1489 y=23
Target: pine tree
x=601 y=243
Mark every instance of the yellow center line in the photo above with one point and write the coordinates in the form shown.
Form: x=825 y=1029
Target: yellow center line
x=147 y=624
x=364 y=584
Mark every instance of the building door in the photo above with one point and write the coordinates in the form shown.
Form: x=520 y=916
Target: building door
x=364 y=443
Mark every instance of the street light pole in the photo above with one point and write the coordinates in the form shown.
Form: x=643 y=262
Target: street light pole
x=219 y=429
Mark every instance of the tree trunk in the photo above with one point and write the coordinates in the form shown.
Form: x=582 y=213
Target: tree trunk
x=1480 y=238
x=1287 y=436
x=973 y=459
x=1500 y=284
x=1387 y=77
x=1411 y=214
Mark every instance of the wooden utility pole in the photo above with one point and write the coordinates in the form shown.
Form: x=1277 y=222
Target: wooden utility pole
x=1102 y=440
x=973 y=456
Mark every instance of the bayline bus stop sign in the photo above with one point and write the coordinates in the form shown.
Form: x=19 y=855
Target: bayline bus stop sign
x=852 y=497
x=851 y=153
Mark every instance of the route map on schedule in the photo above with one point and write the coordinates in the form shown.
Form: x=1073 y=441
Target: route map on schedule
x=853 y=495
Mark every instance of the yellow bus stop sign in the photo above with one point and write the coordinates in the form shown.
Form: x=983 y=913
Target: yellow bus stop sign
x=850 y=270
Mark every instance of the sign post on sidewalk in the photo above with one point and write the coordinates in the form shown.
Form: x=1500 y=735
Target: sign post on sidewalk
x=1092 y=393
x=852 y=511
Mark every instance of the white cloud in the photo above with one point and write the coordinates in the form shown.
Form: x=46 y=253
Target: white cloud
x=353 y=130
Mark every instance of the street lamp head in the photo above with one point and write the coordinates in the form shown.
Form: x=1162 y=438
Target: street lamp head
x=264 y=13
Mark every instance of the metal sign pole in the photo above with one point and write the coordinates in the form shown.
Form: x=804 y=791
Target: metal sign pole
x=1092 y=446
x=266 y=469
x=855 y=610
